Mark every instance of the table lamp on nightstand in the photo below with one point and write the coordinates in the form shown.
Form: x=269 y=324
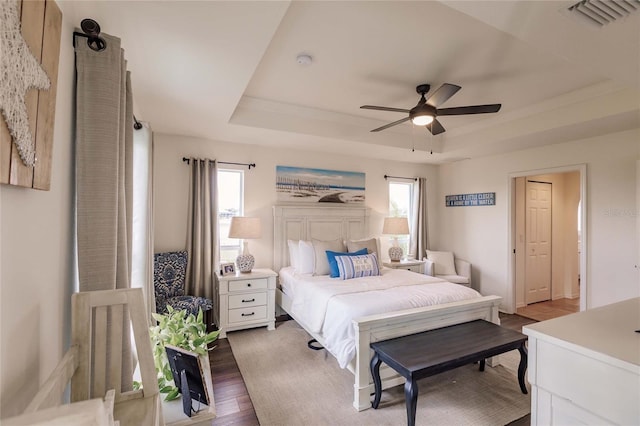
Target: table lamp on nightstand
x=395 y=226
x=245 y=228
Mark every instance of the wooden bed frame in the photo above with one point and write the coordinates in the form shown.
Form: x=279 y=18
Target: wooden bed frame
x=307 y=222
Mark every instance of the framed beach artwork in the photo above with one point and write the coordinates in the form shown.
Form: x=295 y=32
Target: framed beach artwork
x=299 y=184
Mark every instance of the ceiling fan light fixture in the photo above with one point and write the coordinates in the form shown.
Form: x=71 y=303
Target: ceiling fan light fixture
x=422 y=114
x=426 y=111
x=422 y=120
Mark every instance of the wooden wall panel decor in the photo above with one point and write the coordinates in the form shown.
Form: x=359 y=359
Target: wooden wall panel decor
x=41 y=24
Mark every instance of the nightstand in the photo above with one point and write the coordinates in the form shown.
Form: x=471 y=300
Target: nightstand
x=410 y=265
x=246 y=300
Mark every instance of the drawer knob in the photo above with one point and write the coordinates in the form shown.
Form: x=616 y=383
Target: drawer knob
x=248 y=301
x=248 y=315
x=248 y=284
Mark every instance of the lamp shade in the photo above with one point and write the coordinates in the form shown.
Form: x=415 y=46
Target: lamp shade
x=245 y=227
x=395 y=226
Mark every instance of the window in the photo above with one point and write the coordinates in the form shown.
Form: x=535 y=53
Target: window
x=401 y=205
x=230 y=203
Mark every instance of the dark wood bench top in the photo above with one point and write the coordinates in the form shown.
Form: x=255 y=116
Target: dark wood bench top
x=434 y=351
x=425 y=354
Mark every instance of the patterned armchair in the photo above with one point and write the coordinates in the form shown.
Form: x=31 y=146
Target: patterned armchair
x=169 y=270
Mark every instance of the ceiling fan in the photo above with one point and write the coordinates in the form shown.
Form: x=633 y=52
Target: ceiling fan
x=426 y=111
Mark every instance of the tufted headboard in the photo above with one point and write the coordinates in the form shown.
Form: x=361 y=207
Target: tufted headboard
x=315 y=222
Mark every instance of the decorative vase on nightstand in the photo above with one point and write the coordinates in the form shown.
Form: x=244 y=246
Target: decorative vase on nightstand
x=395 y=253
x=245 y=261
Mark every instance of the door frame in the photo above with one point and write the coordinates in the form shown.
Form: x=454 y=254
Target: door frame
x=511 y=234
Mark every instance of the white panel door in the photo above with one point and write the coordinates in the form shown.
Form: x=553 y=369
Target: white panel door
x=538 y=242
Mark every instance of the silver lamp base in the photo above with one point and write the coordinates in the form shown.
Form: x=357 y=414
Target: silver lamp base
x=395 y=254
x=245 y=262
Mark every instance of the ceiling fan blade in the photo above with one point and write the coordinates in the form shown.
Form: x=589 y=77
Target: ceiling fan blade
x=473 y=109
x=386 y=126
x=381 y=108
x=435 y=127
x=443 y=94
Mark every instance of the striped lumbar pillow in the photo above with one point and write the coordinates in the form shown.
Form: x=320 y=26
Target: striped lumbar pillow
x=358 y=266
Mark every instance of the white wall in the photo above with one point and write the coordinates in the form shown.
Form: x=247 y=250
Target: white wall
x=171 y=181
x=36 y=262
x=480 y=234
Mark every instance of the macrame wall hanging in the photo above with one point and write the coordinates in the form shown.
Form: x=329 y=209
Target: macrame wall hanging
x=29 y=55
x=19 y=72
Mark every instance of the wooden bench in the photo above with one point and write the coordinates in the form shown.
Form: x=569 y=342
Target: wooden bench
x=431 y=352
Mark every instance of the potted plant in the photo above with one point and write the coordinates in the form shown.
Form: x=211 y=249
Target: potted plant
x=185 y=331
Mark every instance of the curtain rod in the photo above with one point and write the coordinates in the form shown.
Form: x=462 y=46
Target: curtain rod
x=401 y=177
x=91 y=31
x=250 y=165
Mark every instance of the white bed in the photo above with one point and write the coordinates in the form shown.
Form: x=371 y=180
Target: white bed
x=327 y=306
x=343 y=318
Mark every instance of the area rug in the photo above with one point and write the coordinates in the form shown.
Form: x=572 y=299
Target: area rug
x=290 y=384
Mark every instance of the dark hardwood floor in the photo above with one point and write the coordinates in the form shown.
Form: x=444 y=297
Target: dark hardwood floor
x=515 y=322
x=233 y=404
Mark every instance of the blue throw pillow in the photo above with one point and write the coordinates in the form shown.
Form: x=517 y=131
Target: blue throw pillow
x=333 y=266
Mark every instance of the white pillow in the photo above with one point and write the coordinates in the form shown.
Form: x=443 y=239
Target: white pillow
x=443 y=263
x=306 y=257
x=321 y=266
x=294 y=253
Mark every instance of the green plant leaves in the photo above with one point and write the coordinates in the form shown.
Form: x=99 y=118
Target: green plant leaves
x=177 y=328
x=211 y=337
x=172 y=395
x=167 y=389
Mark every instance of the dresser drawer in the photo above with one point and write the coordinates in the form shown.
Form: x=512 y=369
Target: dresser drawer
x=240 y=285
x=254 y=313
x=246 y=300
x=588 y=383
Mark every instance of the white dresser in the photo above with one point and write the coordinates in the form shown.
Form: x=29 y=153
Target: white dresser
x=246 y=300
x=584 y=368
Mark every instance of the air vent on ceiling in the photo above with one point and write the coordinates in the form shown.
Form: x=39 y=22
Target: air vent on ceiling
x=603 y=12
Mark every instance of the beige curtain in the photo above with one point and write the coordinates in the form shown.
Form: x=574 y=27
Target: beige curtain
x=419 y=228
x=202 y=229
x=104 y=151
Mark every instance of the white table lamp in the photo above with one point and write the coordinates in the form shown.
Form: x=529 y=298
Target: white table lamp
x=395 y=226
x=245 y=228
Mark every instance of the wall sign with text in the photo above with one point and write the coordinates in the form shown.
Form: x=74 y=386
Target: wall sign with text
x=466 y=200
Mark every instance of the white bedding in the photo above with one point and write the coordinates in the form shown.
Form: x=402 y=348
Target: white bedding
x=328 y=306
